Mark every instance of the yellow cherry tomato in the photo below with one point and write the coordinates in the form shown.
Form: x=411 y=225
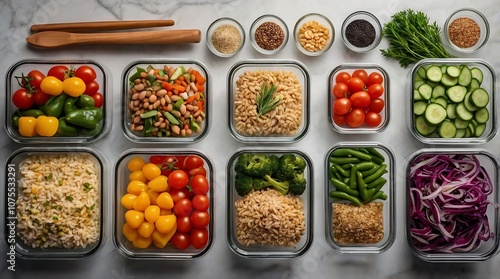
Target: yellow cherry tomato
x=128 y=200
x=51 y=85
x=164 y=212
x=165 y=201
x=136 y=187
x=137 y=175
x=160 y=240
x=152 y=213
x=142 y=202
x=151 y=171
x=158 y=184
x=74 y=86
x=129 y=233
x=136 y=164
x=134 y=218
x=165 y=224
x=141 y=242
x=146 y=229
x=27 y=126
x=153 y=196
x=46 y=126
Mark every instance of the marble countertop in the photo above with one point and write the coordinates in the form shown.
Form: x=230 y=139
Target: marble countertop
x=321 y=261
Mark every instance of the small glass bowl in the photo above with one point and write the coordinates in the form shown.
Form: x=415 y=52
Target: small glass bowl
x=58 y=201
x=388 y=209
x=385 y=113
x=261 y=250
x=372 y=20
x=121 y=181
x=275 y=20
x=481 y=21
x=85 y=135
x=486 y=249
x=418 y=73
x=210 y=33
x=198 y=129
x=261 y=133
x=320 y=19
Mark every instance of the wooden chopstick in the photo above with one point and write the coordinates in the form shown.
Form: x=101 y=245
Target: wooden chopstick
x=101 y=25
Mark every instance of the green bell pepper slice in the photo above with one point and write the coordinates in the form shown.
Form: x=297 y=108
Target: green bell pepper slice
x=86 y=118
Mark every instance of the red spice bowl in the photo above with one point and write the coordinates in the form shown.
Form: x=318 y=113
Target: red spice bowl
x=466 y=30
x=358 y=99
x=269 y=34
x=452 y=205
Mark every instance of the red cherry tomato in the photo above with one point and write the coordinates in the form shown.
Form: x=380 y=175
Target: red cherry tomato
x=375 y=90
x=360 y=99
x=342 y=106
x=201 y=202
x=86 y=73
x=36 y=78
x=40 y=98
x=373 y=119
x=339 y=119
x=200 y=219
x=340 y=90
x=199 y=184
x=178 y=179
x=193 y=161
x=98 y=99
x=91 y=88
x=355 y=118
x=361 y=74
x=181 y=240
x=183 y=207
x=375 y=78
x=184 y=224
x=60 y=72
x=342 y=77
x=179 y=194
x=376 y=105
x=199 y=238
x=200 y=170
x=22 y=99
x=356 y=84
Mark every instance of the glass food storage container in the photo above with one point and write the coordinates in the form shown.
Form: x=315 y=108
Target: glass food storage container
x=166 y=101
x=283 y=116
x=146 y=224
x=462 y=192
x=285 y=201
x=360 y=198
x=54 y=203
x=313 y=34
x=77 y=110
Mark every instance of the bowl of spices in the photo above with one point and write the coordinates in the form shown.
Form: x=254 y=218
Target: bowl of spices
x=225 y=37
x=467 y=30
x=314 y=34
x=361 y=31
x=269 y=34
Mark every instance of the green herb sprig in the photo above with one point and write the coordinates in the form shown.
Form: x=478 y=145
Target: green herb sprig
x=265 y=100
x=412 y=38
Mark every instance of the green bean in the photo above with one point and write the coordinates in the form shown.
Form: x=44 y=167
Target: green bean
x=362 y=149
x=361 y=186
x=370 y=171
x=376 y=159
x=341 y=152
x=346 y=166
x=374 y=152
x=344 y=196
x=344 y=172
x=346 y=180
x=337 y=175
x=376 y=174
x=344 y=160
x=341 y=186
x=369 y=195
x=377 y=182
x=353 y=181
x=379 y=195
x=350 y=152
x=365 y=166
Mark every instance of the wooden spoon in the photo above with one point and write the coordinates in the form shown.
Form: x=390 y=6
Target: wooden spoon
x=101 y=25
x=52 y=39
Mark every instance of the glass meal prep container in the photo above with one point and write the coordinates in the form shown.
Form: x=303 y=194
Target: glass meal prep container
x=460 y=188
x=166 y=101
x=151 y=235
x=54 y=203
x=360 y=205
x=284 y=117
x=383 y=111
x=282 y=225
x=72 y=117
x=452 y=101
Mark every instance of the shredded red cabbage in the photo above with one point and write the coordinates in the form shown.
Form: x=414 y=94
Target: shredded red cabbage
x=448 y=203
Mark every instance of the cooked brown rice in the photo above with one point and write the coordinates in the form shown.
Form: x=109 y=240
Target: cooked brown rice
x=354 y=224
x=267 y=217
x=285 y=119
x=58 y=201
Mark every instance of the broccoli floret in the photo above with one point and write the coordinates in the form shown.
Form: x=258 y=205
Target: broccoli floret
x=297 y=185
x=254 y=164
x=274 y=163
x=243 y=184
x=280 y=186
x=289 y=166
x=260 y=183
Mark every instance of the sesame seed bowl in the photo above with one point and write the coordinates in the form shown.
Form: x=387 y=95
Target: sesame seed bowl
x=225 y=37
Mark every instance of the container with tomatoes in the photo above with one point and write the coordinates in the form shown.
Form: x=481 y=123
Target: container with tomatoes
x=56 y=101
x=163 y=204
x=358 y=98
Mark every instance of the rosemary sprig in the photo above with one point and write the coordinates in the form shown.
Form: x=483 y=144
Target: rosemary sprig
x=265 y=100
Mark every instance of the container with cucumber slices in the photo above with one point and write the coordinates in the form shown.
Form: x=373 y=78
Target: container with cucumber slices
x=453 y=101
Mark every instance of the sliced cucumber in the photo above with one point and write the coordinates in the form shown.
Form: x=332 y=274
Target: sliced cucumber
x=443 y=68
x=472 y=129
x=425 y=91
x=417 y=78
x=434 y=73
x=467 y=133
x=453 y=71
x=456 y=93
x=468 y=105
x=422 y=127
x=463 y=113
x=451 y=111
x=480 y=130
x=438 y=91
x=465 y=76
x=435 y=114
x=460 y=133
x=482 y=115
x=474 y=83
x=461 y=124
x=480 y=98
x=441 y=101
x=448 y=80
x=416 y=95
x=419 y=107
x=417 y=83
x=447 y=129
x=421 y=72
x=477 y=74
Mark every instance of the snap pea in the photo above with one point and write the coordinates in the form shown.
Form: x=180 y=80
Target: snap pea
x=350 y=152
x=376 y=174
x=374 y=152
x=346 y=166
x=376 y=159
x=341 y=186
x=370 y=171
x=374 y=184
x=362 y=149
x=346 y=180
x=344 y=160
x=361 y=186
x=344 y=196
x=365 y=166
x=338 y=176
x=379 y=195
x=352 y=179
x=343 y=172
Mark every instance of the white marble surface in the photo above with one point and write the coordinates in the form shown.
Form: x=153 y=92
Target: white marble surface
x=321 y=261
